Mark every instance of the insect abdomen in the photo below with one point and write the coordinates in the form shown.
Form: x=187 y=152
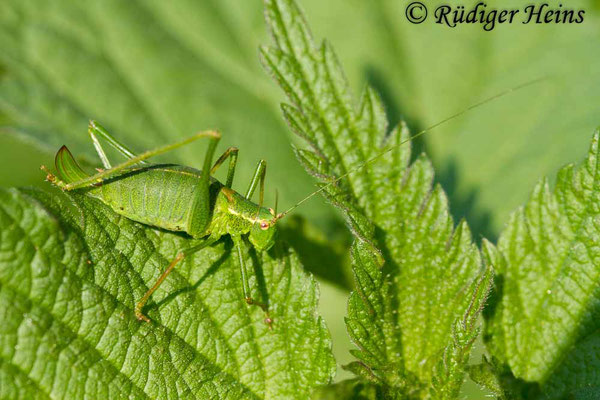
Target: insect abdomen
x=158 y=195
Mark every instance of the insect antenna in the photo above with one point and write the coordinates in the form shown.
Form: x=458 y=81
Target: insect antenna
x=276 y=200
x=412 y=137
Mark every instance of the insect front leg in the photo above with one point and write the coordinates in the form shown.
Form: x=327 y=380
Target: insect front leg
x=180 y=256
x=237 y=240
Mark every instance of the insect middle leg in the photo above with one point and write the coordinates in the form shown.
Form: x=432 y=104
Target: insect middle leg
x=258 y=179
x=232 y=154
x=237 y=241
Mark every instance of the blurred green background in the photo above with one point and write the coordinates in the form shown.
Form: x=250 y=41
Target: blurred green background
x=152 y=71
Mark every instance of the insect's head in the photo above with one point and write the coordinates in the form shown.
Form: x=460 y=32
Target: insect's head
x=263 y=232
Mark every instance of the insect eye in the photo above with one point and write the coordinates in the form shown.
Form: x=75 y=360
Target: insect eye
x=264 y=225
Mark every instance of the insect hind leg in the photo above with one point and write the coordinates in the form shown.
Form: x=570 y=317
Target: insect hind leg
x=180 y=256
x=95 y=130
x=97 y=178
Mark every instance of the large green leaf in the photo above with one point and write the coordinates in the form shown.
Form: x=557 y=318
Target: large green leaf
x=545 y=322
x=71 y=271
x=490 y=158
x=413 y=314
x=151 y=72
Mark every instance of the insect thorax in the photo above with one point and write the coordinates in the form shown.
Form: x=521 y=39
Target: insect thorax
x=234 y=214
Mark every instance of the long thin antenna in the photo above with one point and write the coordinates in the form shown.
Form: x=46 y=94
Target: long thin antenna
x=447 y=119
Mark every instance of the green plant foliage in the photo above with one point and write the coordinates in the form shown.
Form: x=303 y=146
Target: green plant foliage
x=351 y=389
x=71 y=271
x=489 y=160
x=544 y=323
x=486 y=375
x=448 y=373
x=151 y=72
x=418 y=294
x=318 y=253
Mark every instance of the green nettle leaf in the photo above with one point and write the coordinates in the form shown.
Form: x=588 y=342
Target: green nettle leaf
x=419 y=286
x=71 y=271
x=544 y=324
x=448 y=373
x=486 y=375
x=351 y=389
